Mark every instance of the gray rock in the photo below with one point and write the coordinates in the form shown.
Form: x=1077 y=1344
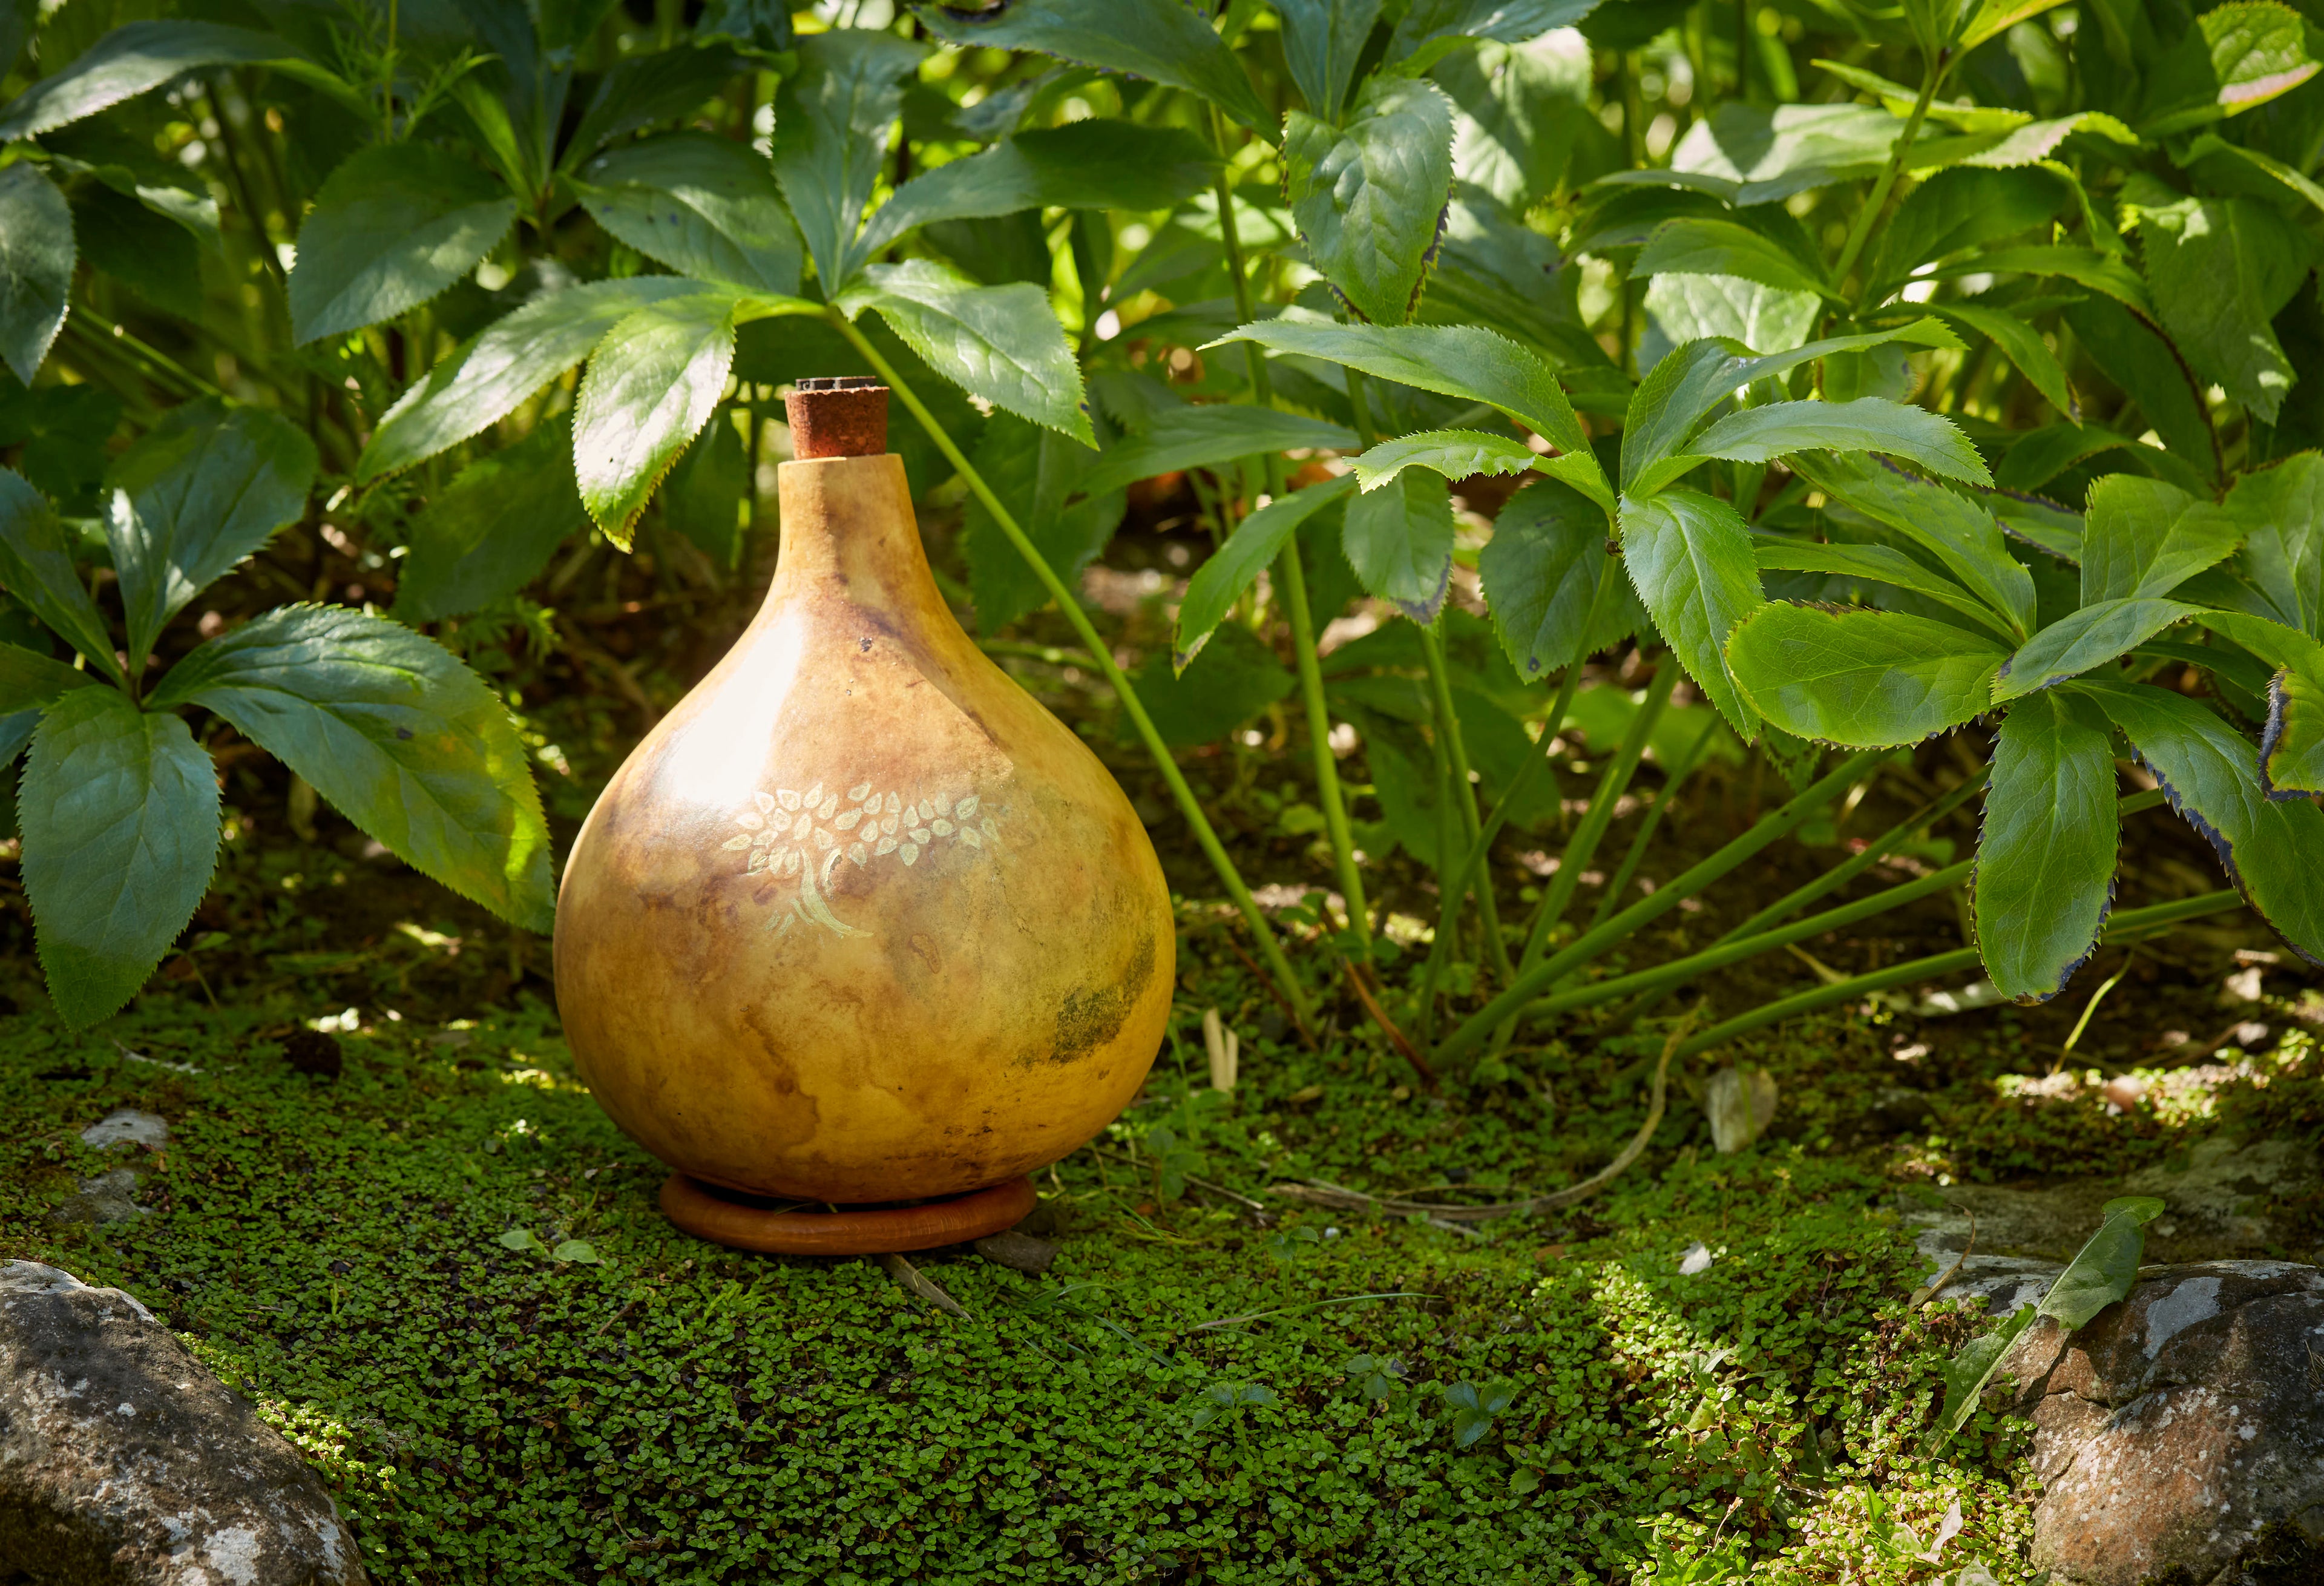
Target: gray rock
x=2220 y=1208
x=2182 y=1431
x=106 y=1197
x=1020 y=1252
x=127 y=1126
x=124 y=1462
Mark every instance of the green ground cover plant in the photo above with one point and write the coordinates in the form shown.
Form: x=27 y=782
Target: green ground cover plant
x=1602 y=538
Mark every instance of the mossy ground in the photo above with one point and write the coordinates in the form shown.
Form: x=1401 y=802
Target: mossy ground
x=676 y=1411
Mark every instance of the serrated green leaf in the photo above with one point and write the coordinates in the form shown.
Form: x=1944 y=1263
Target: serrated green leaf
x=2274 y=852
x=1254 y=545
x=1683 y=308
x=1321 y=41
x=2038 y=141
x=2132 y=352
x=1034 y=470
x=2082 y=639
x=2144 y=537
x=2235 y=58
x=1001 y=343
x=1539 y=573
x=1862 y=679
x=36 y=568
x=1462 y=361
x=197 y=494
x=2291 y=746
x=1881 y=564
x=1431 y=28
x=1868 y=424
x=2221 y=268
x=1959 y=533
x=2022 y=344
x=1993 y=18
x=119 y=811
x=2101 y=273
x=1456 y=454
x=2045 y=859
x=1693 y=382
x=1399 y=541
x=2292 y=742
x=706 y=207
x=491 y=532
x=400 y=738
x=36 y=266
x=1101 y=163
x=1204 y=436
x=29 y=680
x=1158 y=40
x=831 y=124
x=131 y=60
x=1689 y=558
x=513 y=358
x=706 y=494
x=1368 y=197
x=650 y=386
x=1722 y=247
x=2280 y=511
x=641 y=90
x=393 y=226
x=2036 y=456
x=1749 y=154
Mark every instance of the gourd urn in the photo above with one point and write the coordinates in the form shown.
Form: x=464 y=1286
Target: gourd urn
x=860 y=922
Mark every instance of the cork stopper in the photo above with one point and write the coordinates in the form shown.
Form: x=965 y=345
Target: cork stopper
x=844 y=416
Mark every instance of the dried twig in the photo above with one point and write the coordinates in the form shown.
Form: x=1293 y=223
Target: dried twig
x=1380 y=1018
x=920 y=1283
x=1266 y=980
x=1921 y=1296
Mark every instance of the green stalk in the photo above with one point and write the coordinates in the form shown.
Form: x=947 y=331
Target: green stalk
x=1832 y=880
x=1229 y=876
x=1582 y=846
x=1515 y=794
x=2134 y=925
x=1463 y=801
x=1666 y=977
x=1652 y=823
x=1291 y=579
x=1932 y=74
x=1776 y=823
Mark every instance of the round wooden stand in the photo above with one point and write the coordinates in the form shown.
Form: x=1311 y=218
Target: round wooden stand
x=749 y=1222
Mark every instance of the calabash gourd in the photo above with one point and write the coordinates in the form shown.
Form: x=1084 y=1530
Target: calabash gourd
x=860 y=921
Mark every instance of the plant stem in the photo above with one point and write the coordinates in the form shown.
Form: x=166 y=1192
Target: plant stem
x=1769 y=827
x=1293 y=578
x=1229 y=876
x=1876 y=205
x=1514 y=796
x=1652 y=823
x=1464 y=801
x=1666 y=977
x=1582 y=846
x=1832 y=880
x=2134 y=925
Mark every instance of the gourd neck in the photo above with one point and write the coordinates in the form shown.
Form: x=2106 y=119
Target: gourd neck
x=848 y=533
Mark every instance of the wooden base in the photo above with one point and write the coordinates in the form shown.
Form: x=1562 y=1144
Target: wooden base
x=748 y=1223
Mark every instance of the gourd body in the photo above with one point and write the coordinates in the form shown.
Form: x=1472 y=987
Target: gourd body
x=860 y=921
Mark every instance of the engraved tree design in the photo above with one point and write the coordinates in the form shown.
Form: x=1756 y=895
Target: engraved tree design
x=806 y=835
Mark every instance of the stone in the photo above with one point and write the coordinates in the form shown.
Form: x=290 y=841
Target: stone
x=124 y=1462
x=105 y=1198
x=2180 y=1435
x=1020 y=1252
x=2221 y=1207
x=127 y=1126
